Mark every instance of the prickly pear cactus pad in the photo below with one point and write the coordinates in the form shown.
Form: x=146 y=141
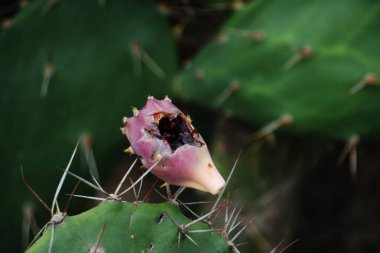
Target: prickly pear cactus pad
x=70 y=68
x=129 y=227
x=318 y=61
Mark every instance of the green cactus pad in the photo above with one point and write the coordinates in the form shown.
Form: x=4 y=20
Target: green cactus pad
x=129 y=227
x=95 y=82
x=258 y=49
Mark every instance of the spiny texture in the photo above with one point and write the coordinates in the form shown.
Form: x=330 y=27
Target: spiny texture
x=318 y=61
x=69 y=69
x=129 y=227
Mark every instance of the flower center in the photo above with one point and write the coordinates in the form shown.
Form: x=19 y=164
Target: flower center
x=176 y=131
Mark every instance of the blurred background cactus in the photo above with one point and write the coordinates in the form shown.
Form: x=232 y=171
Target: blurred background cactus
x=292 y=84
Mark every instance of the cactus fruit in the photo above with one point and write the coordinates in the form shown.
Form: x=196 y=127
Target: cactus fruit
x=164 y=138
x=131 y=227
x=68 y=68
x=267 y=62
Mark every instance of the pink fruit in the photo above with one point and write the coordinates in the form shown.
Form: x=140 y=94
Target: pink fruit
x=161 y=132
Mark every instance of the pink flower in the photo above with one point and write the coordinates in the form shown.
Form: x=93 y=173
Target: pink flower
x=161 y=132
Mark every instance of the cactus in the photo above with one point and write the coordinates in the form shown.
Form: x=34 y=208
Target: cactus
x=130 y=227
x=83 y=63
x=120 y=226
x=71 y=68
x=294 y=58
